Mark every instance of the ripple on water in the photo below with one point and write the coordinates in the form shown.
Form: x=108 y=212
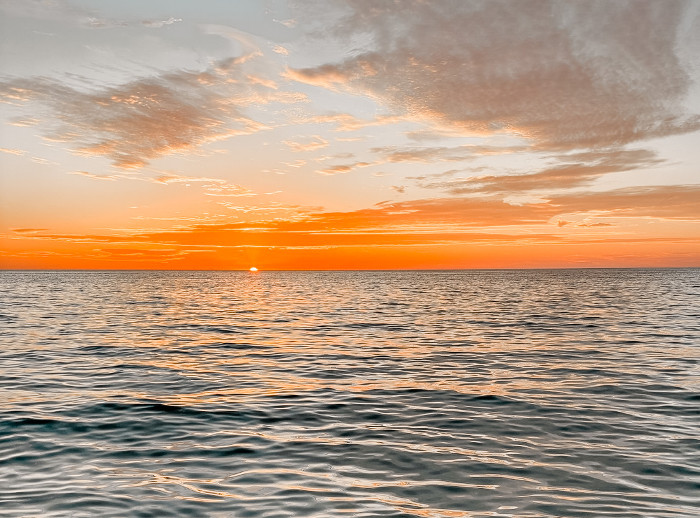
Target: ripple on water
x=429 y=394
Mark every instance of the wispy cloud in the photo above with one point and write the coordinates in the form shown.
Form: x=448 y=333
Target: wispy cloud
x=575 y=170
x=9 y=151
x=211 y=186
x=343 y=168
x=66 y=11
x=133 y=123
x=227 y=189
x=345 y=122
x=309 y=144
x=94 y=176
x=157 y=24
x=28 y=230
x=145 y=254
x=585 y=221
x=443 y=153
x=289 y=23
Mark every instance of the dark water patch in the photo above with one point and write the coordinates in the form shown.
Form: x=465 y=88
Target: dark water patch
x=237 y=346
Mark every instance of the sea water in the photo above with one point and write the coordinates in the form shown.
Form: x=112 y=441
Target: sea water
x=534 y=393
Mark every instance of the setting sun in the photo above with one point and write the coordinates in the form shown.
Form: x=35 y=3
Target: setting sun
x=253 y=269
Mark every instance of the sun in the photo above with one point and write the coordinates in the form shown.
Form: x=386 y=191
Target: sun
x=253 y=269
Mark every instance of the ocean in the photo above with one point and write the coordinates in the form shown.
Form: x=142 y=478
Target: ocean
x=533 y=393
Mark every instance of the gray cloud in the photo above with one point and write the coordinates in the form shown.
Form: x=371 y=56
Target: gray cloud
x=564 y=75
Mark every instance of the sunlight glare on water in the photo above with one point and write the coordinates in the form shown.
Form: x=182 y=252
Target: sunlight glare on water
x=431 y=394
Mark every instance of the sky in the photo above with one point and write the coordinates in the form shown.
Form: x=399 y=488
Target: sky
x=349 y=134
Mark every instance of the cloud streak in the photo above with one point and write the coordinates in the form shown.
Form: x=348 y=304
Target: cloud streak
x=343 y=168
x=427 y=221
x=590 y=229
x=576 y=170
x=310 y=144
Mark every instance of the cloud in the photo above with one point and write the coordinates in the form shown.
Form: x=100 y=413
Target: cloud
x=66 y=11
x=9 y=151
x=94 y=176
x=58 y=10
x=226 y=189
x=442 y=153
x=28 y=230
x=677 y=202
x=575 y=170
x=428 y=222
x=42 y=161
x=289 y=23
x=344 y=168
x=585 y=224
x=345 y=122
x=22 y=122
x=336 y=169
x=564 y=75
x=430 y=134
x=296 y=164
x=594 y=224
x=245 y=44
x=436 y=219
x=667 y=202
x=136 y=254
x=310 y=144
x=211 y=186
x=134 y=123
x=448 y=173
x=294 y=211
x=157 y=24
x=95 y=22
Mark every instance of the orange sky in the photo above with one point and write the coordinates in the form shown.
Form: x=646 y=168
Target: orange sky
x=349 y=135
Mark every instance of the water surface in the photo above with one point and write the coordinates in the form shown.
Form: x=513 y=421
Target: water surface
x=529 y=393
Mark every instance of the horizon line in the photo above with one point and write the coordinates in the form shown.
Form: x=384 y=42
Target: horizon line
x=247 y=270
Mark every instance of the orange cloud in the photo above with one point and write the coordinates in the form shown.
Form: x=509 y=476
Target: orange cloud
x=438 y=220
x=345 y=122
x=28 y=230
x=18 y=152
x=677 y=202
x=138 y=254
x=346 y=168
x=477 y=253
x=311 y=144
x=108 y=177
